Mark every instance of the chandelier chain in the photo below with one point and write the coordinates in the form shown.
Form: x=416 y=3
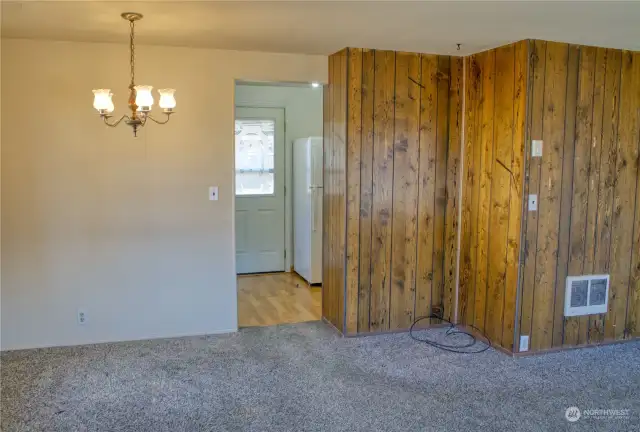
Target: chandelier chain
x=132 y=51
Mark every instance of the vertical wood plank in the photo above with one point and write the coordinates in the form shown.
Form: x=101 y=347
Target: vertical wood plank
x=607 y=175
x=405 y=196
x=331 y=196
x=486 y=170
x=574 y=329
x=520 y=295
x=515 y=192
x=633 y=314
x=426 y=183
x=500 y=186
x=442 y=140
x=382 y=188
x=366 y=192
x=326 y=145
x=335 y=198
x=467 y=187
x=537 y=68
x=478 y=152
x=468 y=243
x=452 y=189
x=327 y=155
x=549 y=198
x=596 y=154
x=624 y=197
x=595 y=322
x=341 y=186
x=354 y=140
x=567 y=193
x=333 y=192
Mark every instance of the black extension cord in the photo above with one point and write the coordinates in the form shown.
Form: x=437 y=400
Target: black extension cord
x=460 y=348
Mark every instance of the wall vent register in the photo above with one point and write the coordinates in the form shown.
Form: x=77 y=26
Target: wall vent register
x=586 y=295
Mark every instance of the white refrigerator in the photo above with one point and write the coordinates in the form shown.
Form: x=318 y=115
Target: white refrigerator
x=307 y=208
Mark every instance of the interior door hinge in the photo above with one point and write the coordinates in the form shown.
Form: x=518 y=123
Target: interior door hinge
x=285 y=253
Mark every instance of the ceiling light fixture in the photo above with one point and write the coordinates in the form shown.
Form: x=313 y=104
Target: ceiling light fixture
x=140 y=96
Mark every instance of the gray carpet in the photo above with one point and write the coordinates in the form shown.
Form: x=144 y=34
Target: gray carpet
x=303 y=377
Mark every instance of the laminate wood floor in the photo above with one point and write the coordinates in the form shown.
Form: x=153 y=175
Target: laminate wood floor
x=279 y=298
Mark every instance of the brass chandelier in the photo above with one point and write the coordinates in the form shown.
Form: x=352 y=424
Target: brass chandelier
x=140 y=96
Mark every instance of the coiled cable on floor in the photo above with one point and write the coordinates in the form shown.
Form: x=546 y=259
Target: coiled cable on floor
x=464 y=347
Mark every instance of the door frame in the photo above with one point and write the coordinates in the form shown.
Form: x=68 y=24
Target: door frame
x=288 y=174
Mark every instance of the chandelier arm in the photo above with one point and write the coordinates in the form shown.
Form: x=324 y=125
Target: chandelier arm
x=161 y=122
x=106 y=120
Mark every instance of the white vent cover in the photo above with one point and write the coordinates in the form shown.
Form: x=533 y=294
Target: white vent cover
x=586 y=295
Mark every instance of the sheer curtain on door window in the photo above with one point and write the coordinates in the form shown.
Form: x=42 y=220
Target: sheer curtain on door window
x=255 y=157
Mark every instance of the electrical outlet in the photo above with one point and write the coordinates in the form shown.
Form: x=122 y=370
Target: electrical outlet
x=536 y=148
x=436 y=310
x=533 y=203
x=524 y=343
x=82 y=317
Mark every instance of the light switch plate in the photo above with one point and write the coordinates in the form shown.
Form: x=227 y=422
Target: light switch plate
x=213 y=193
x=536 y=148
x=524 y=343
x=533 y=203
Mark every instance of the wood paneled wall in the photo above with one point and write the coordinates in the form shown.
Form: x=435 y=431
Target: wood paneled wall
x=495 y=119
x=392 y=171
x=585 y=106
x=394 y=141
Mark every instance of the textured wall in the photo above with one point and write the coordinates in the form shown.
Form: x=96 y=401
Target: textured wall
x=122 y=227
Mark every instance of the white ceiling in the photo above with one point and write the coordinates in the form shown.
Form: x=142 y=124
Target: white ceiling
x=327 y=26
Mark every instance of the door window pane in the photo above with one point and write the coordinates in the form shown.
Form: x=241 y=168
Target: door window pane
x=255 y=157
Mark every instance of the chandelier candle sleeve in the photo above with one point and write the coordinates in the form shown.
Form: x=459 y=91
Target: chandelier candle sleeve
x=140 y=99
x=167 y=100
x=102 y=100
x=144 y=98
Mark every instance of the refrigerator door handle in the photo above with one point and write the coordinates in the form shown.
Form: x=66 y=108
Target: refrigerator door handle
x=312 y=208
x=315 y=190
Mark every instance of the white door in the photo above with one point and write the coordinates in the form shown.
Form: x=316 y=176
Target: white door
x=259 y=147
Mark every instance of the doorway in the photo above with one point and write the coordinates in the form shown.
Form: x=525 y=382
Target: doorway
x=260 y=201
x=271 y=120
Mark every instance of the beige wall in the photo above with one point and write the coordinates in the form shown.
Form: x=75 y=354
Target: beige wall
x=93 y=218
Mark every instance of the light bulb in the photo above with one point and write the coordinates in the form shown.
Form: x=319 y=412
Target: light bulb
x=102 y=100
x=167 y=100
x=144 y=98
